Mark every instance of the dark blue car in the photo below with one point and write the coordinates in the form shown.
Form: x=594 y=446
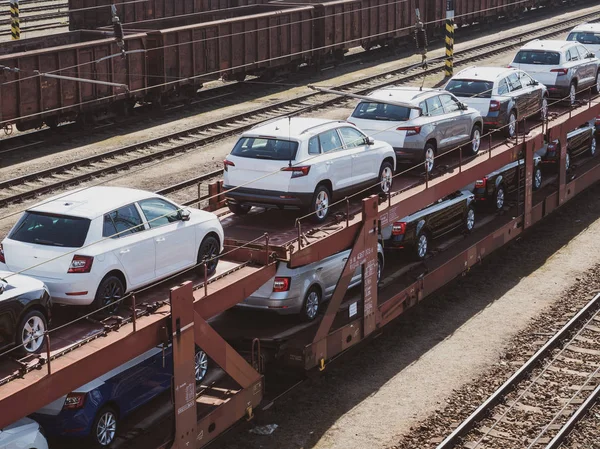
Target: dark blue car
x=94 y=410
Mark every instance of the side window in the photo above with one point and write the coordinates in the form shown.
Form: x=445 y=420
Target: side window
x=330 y=141
x=158 y=212
x=572 y=55
x=352 y=137
x=434 y=106
x=313 y=145
x=525 y=79
x=108 y=228
x=423 y=106
x=513 y=81
x=582 y=52
x=126 y=220
x=450 y=104
x=503 y=87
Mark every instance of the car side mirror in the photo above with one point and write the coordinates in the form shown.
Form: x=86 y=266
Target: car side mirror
x=464 y=106
x=184 y=215
x=534 y=83
x=369 y=140
x=3 y=285
x=591 y=56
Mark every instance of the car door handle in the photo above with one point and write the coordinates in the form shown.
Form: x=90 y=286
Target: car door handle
x=124 y=251
x=319 y=269
x=160 y=239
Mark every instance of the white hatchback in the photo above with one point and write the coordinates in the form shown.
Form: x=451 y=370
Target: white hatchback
x=93 y=245
x=304 y=163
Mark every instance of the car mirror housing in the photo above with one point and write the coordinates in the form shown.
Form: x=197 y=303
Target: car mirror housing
x=464 y=106
x=369 y=140
x=184 y=215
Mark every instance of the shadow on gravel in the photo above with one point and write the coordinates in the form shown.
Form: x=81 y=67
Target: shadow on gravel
x=308 y=412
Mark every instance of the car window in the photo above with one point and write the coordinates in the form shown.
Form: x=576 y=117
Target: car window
x=313 y=145
x=423 y=106
x=265 y=148
x=434 y=106
x=51 y=230
x=513 y=81
x=525 y=79
x=450 y=104
x=537 y=57
x=352 y=137
x=582 y=52
x=126 y=220
x=470 y=88
x=585 y=37
x=503 y=87
x=159 y=212
x=108 y=227
x=381 y=111
x=572 y=55
x=330 y=141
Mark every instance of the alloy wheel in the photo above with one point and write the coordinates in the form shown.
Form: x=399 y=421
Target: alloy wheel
x=200 y=365
x=106 y=428
x=113 y=292
x=572 y=94
x=429 y=159
x=593 y=146
x=322 y=204
x=567 y=161
x=512 y=124
x=476 y=141
x=537 y=178
x=500 y=198
x=386 y=179
x=544 y=108
x=32 y=334
x=422 y=246
x=210 y=255
x=470 y=219
x=312 y=305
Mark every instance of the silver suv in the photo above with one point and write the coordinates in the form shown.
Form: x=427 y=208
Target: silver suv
x=565 y=68
x=419 y=123
x=303 y=290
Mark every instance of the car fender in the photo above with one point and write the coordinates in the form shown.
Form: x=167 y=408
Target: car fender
x=387 y=151
x=322 y=174
x=499 y=180
x=112 y=263
x=420 y=226
x=203 y=229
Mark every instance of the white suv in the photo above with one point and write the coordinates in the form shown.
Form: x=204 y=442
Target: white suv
x=587 y=34
x=92 y=246
x=304 y=163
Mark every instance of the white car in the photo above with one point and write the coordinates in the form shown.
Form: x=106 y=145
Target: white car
x=94 y=245
x=304 y=163
x=587 y=34
x=24 y=434
x=565 y=68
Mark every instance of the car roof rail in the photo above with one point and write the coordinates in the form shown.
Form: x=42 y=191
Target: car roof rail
x=273 y=120
x=322 y=124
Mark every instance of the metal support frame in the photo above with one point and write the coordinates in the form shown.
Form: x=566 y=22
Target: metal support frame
x=15 y=25
x=449 y=68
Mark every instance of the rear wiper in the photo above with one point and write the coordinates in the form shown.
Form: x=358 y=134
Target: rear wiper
x=47 y=242
x=258 y=156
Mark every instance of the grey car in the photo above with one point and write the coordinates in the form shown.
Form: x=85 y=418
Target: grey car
x=303 y=290
x=419 y=124
x=564 y=67
x=502 y=95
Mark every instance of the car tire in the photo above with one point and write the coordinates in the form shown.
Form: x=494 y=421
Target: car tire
x=380 y=267
x=499 y=197
x=110 y=291
x=511 y=126
x=470 y=219
x=475 y=143
x=567 y=161
x=209 y=250
x=320 y=204
x=104 y=428
x=239 y=209
x=544 y=108
x=30 y=332
x=311 y=306
x=201 y=364
x=593 y=145
x=572 y=93
x=537 y=178
x=429 y=157
x=422 y=245
x=386 y=177
x=596 y=88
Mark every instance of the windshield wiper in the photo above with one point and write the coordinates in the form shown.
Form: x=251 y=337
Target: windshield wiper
x=46 y=242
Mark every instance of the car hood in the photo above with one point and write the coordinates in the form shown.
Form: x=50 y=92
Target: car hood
x=17 y=284
x=22 y=425
x=201 y=216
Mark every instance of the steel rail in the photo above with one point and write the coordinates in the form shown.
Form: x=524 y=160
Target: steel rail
x=481 y=412
x=238 y=123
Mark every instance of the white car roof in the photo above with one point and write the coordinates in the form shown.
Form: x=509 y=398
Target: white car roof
x=91 y=202
x=552 y=45
x=297 y=128
x=484 y=73
x=594 y=27
x=412 y=95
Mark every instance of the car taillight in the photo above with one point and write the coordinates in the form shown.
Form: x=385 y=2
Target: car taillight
x=2 y=252
x=494 y=105
x=2 y=258
x=560 y=71
x=298 y=172
x=74 y=401
x=410 y=130
x=81 y=264
x=227 y=163
x=399 y=228
x=281 y=284
x=481 y=183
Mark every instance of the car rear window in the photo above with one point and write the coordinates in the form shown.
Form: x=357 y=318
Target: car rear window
x=381 y=111
x=265 y=148
x=585 y=37
x=537 y=57
x=51 y=230
x=470 y=88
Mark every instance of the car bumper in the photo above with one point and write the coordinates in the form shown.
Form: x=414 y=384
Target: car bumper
x=80 y=290
x=289 y=306
x=396 y=241
x=68 y=423
x=495 y=120
x=258 y=197
x=405 y=155
x=558 y=91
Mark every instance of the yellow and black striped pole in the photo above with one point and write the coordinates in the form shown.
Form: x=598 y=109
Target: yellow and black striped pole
x=15 y=27
x=449 y=69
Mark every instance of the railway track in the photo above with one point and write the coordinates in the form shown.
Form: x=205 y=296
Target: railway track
x=540 y=404
x=66 y=175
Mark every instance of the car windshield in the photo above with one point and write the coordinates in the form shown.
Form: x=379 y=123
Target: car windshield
x=470 y=88
x=585 y=37
x=266 y=148
x=381 y=111
x=51 y=230
x=537 y=57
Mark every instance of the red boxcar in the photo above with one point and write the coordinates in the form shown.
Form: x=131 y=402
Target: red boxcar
x=29 y=100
